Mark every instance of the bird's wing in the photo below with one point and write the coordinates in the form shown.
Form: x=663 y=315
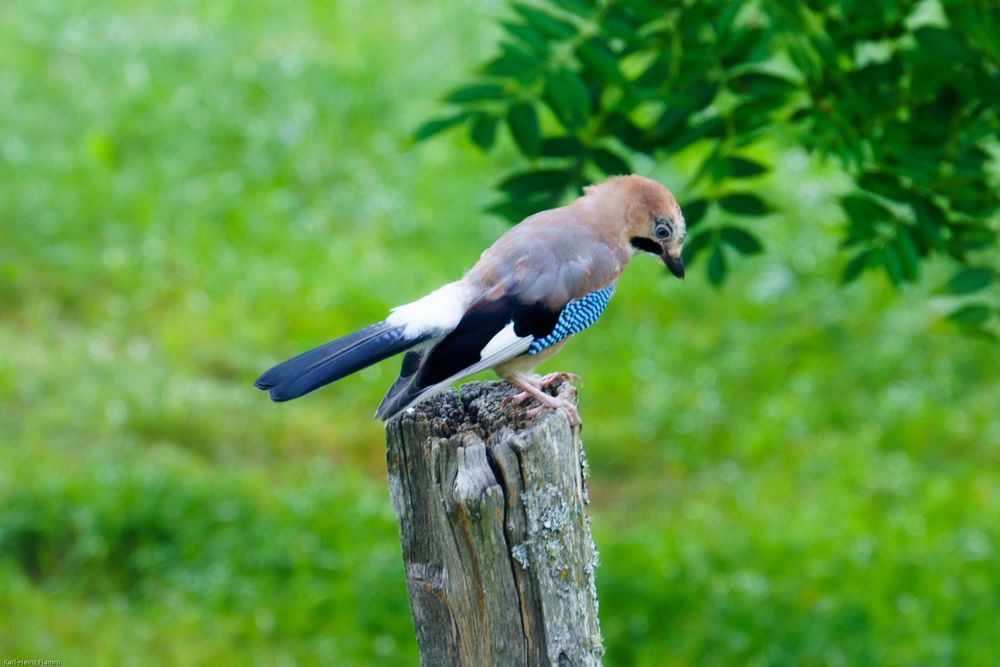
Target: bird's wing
x=490 y=332
x=535 y=291
x=552 y=257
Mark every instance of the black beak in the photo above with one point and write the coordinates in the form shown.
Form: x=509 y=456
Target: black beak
x=675 y=264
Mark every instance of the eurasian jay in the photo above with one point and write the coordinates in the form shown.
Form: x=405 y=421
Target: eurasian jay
x=546 y=279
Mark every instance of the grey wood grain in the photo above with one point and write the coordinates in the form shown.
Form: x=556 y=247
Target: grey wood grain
x=496 y=543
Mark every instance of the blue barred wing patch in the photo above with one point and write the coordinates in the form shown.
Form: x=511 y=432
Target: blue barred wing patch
x=576 y=316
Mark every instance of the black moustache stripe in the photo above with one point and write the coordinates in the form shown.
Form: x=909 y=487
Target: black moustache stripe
x=646 y=245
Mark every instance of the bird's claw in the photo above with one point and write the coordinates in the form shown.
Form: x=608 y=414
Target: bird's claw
x=557 y=403
x=516 y=399
x=531 y=387
x=557 y=378
x=567 y=393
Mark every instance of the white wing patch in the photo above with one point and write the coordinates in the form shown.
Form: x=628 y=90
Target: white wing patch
x=502 y=341
x=501 y=348
x=438 y=312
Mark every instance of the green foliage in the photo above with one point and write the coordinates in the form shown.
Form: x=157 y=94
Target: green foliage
x=904 y=95
x=786 y=473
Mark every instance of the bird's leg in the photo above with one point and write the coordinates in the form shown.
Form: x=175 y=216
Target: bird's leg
x=517 y=399
x=545 y=382
x=553 y=379
x=521 y=397
x=529 y=387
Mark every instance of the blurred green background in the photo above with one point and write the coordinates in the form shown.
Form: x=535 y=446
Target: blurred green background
x=784 y=471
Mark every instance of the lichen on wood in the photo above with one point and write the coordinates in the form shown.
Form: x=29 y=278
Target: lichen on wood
x=496 y=544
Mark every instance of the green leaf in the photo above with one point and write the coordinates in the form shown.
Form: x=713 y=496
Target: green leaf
x=741 y=167
x=544 y=22
x=616 y=27
x=475 y=93
x=863 y=214
x=922 y=162
x=742 y=241
x=630 y=135
x=609 y=163
x=724 y=17
x=893 y=267
x=523 y=123
x=969 y=280
x=430 y=128
x=803 y=61
x=710 y=127
x=862 y=208
x=529 y=36
x=716 y=269
x=744 y=203
x=884 y=184
x=513 y=61
x=874 y=74
x=755 y=113
x=652 y=74
x=970 y=315
x=763 y=84
x=596 y=54
x=908 y=255
x=695 y=244
x=670 y=122
x=714 y=166
x=483 y=130
x=567 y=96
x=694 y=211
x=542 y=181
x=930 y=220
x=575 y=7
x=971 y=236
x=561 y=147
x=854 y=267
x=701 y=95
x=945 y=45
x=516 y=210
x=741 y=48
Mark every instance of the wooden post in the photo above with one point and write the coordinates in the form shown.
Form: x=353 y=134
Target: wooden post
x=496 y=545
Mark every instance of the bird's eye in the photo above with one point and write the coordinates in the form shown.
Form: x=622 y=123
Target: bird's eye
x=663 y=231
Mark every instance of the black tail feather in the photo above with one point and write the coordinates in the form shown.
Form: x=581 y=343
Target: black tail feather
x=334 y=360
x=391 y=402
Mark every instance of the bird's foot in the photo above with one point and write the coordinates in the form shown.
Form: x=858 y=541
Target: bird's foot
x=556 y=403
x=516 y=399
x=554 y=379
x=531 y=388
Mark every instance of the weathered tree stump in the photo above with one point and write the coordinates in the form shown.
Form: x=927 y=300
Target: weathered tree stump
x=496 y=544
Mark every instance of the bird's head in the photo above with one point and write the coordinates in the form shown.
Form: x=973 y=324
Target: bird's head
x=653 y=221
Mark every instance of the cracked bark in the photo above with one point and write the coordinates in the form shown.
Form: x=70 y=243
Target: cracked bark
x=496 y=544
